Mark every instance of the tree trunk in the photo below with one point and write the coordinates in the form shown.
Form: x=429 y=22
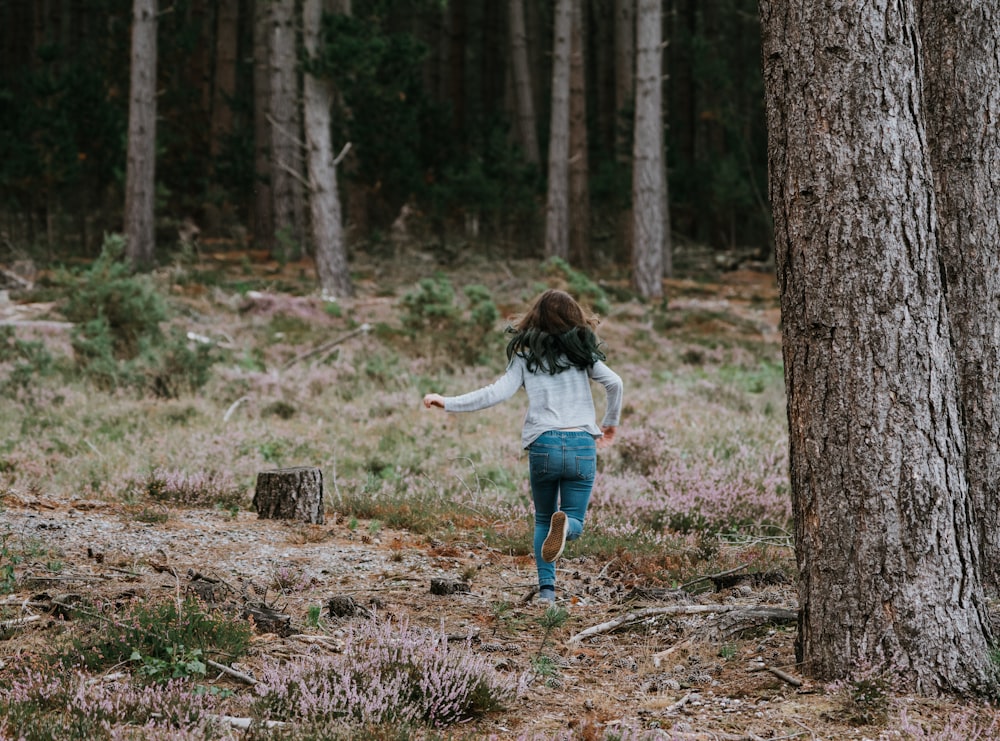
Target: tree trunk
x=140 y=169
x=262 y=209
x=624 y=73
x=557 y=202
x=888 y=573
x=526 y=124
x=324 y=202
x=961 y=48
x=224 y=88
x=286 y=138
x=290 y=494
x=579 y=165
x=648 y=172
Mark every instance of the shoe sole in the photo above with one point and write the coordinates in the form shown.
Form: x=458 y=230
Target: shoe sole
x=555 y=541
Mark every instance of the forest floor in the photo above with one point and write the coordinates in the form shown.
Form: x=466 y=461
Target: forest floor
x=726 y=672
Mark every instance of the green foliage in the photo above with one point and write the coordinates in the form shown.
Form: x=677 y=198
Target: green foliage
x=579 y=285
x=8 y=559
x=439 y=325
x=866 y=699
x=118 y=339
x=29 y=359
x=166 y=640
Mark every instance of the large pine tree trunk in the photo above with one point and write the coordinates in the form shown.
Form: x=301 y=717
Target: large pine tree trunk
x=140 y=169
x=648 y=172
x=262 y=208
x=286 y=136
x=557 y=201
x=526 y=124
x=961 y=61
x=579 y=163
x=324 y=202
x=888 y=573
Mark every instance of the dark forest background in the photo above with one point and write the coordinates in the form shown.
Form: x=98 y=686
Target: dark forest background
x=424 y=97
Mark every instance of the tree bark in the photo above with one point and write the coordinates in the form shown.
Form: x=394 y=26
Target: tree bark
x=624 y=73
x=557 y=201
x=286 y=137
x=224 y=87
x=888 y=574
x=961 y=60
x=648 y=171
x=526 y=123
x=140 y=170
x=579 y=164
x=262 y=209
x=290 y=494
x=324 y=201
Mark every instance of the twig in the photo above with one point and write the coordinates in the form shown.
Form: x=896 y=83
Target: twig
x=343 y=153
x=364 y=328
x=244 y=724
x=660 y=656
x=25 y=283
x=649 y=612
x=678 y=705
x=785 y=676
x=18 y=622
x=715 y=576
x=232 y=408
x=245 y=678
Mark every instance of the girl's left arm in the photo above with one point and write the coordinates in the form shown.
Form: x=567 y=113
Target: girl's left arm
x=613 y=386
x=504 y=388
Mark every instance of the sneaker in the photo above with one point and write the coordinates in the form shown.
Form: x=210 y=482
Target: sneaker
x=547 y=594
x=555 y=541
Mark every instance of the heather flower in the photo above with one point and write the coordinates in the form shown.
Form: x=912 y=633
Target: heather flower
x=387 y=673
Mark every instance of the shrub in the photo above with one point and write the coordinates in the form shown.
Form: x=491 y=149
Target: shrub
x=388 y=673
x=167 y=640
x=46 y=702
x=432 y=314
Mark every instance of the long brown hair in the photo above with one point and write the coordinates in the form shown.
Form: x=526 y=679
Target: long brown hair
x=555 y=334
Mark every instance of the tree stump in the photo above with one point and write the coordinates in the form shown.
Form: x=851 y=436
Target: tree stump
x=290 y=494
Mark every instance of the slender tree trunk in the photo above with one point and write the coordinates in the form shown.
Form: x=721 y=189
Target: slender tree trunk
x=624 y=74
x=648 y=188
x=286 y=136
x=262 y=209
x=458 y=22
x=557 y=204
x=227 y=24
x=140 y=168
x=526 y=124
x=324 y=202
x=961 y=61
x=888 y=573
x=579 y=165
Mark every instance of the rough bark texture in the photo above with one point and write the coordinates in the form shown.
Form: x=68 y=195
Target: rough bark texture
x=888 y=575
x=140 y=169
x=324 y=202
x=262 y=208
x=286 y=137
x=290 y=494
x=526 y=123
x=557 y=201
x=961 y=62
x=648 y=172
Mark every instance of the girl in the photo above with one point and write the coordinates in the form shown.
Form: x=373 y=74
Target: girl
x=553 y=354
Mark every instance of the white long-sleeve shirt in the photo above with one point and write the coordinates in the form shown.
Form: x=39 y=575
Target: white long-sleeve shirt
x=555 y=402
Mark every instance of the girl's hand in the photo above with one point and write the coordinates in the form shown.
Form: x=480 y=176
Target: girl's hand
x=609 y=436
x=434 y=400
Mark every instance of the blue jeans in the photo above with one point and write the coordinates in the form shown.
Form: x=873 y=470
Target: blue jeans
x=562 y=467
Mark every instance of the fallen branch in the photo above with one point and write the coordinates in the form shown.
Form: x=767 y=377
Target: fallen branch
x=678 y=705
x=715 y=576
x=784 y=676
x=364 y=328
x=650 y=612
x=245 y=678
x=244 y=724
x=18 y=622
x=36 y=323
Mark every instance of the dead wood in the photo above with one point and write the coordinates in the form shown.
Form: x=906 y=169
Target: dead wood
x=290 y=494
